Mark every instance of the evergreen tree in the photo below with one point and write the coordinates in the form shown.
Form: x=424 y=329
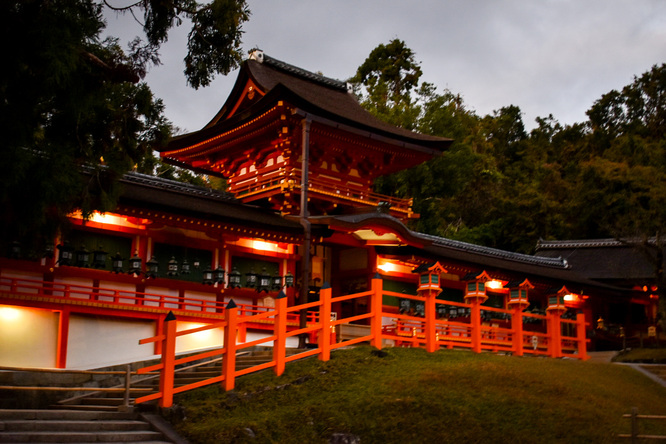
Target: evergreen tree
x=74 y=112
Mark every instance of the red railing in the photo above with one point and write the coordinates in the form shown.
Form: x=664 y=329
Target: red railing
x=470 y=332
x=75 y=294
x=274 y=180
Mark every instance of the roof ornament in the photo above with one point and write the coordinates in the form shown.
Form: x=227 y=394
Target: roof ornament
x=257 y=54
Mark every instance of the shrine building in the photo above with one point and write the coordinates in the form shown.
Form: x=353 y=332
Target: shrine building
x=299 y=156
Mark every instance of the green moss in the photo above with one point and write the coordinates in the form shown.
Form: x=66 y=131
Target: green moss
x=412 y=396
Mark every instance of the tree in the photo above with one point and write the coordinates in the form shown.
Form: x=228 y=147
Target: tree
x=74 y=112
x=389 y=75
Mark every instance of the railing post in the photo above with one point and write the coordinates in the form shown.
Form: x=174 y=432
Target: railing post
x=432 y=344
x=554 y=334
x=634 y=424
x=376 y=307
x=517 y=329
x=475 y=321
x=580 y=337
x=126 y=394
x=324 y=341
x=229 y=357
x=168 y=361
x=280 y=332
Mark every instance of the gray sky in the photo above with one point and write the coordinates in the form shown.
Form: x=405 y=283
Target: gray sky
x=544 y=56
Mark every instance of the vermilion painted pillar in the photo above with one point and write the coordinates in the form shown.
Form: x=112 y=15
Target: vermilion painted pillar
x=432 y=344
x=229 y=356
x=517 y=329
x=63 y=339
x=554 y=334
x=280 y=332
x=324 y=341
x=376 y=307
x=580 y=337
x=475 y=321
x=168 y=361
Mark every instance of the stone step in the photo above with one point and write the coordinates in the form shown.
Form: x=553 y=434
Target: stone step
x=72 y=426
x=48 y=414
x=63 y=425
x=78 y=437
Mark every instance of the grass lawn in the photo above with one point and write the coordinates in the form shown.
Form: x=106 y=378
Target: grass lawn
x=410 y=396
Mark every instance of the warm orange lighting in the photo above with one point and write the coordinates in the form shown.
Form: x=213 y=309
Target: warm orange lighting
x=494 y=285
x=570 y=297
x=388 y=267
x=9 y=314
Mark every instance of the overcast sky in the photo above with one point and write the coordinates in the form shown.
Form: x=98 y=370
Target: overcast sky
x=545 y=56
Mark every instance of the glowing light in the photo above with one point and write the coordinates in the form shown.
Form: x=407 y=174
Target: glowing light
x=9 y=314
x=494 y=285
x=570 y=297
x=388 y=267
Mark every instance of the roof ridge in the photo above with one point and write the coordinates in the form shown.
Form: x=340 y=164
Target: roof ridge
x=260 y=57
x=174 y=185
x=588 y=243
x=557 y=262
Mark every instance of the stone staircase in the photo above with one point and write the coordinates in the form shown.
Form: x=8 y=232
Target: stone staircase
x=70 y=426
x=191 y=374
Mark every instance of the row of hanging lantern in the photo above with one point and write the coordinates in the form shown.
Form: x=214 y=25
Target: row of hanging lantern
x=260 y=281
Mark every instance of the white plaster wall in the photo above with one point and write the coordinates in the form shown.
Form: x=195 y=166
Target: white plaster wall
x=96 y=341
x=209 y=298
x=122 y=288
x=211 y=338
x=80 y=287
x=151 y=300
x=28 y=337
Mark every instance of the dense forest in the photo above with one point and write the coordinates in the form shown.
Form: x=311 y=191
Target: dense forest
x=501 y=186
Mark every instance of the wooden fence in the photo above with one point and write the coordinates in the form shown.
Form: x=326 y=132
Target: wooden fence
x=556 y=337
x=635 y=435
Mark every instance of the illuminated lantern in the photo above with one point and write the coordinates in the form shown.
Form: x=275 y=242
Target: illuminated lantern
x=264 y=281
x=251 y=279
x=429 y=277
x=117 y=263
x=172 y=267
x=556 y=301
x=518 y=293
x=208 y=276
x=218 y=275
x=99 y=258
x=135 y=264
x=82 y=257
x=153 y=268
x=288 y=279
x=185 y=267
x=276 y=282
x=476 y=286
x=66 y=254
x=234 y=279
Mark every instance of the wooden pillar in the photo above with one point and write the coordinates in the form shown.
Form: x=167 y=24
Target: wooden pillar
x=554 y=334
x=517 y=329
x=324 y=341
x=168 y=361
x=63 y=339
x=229 y=356
x=475 y=322
x=376 y=308
x=580 y=337
x=280 y=332
x=432 y=344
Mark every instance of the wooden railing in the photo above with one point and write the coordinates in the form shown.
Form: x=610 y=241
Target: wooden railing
x=274 y=182
x=556 y=339
x=124 y=299
x=635 y=434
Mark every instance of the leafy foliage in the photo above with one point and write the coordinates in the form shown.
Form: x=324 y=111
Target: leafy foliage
x=500 y=186
x=74 y=113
